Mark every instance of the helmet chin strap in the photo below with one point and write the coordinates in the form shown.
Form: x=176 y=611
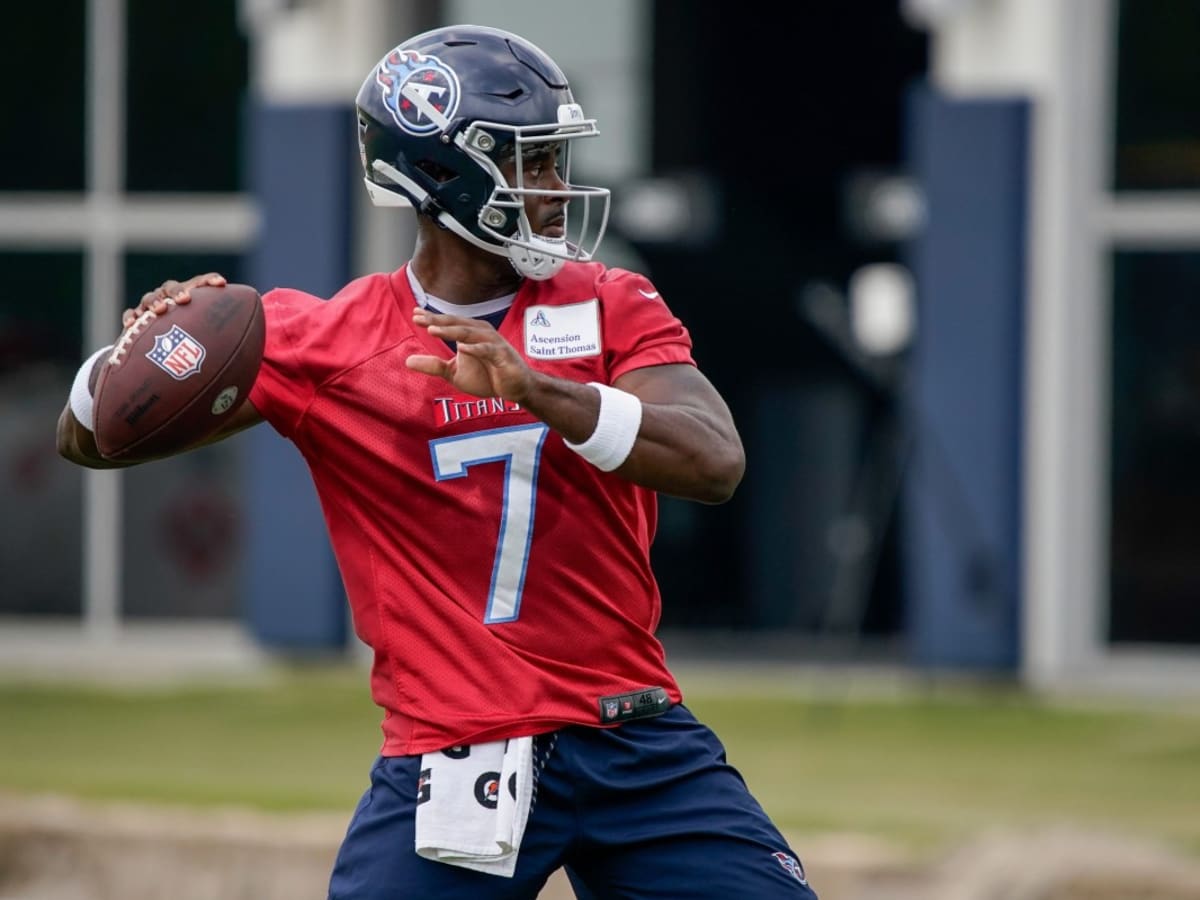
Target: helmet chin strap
x=534 y=264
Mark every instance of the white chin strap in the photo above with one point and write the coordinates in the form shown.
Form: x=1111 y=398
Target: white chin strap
x=539 y=266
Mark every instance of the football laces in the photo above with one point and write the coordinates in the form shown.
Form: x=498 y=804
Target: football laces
x=136 y=327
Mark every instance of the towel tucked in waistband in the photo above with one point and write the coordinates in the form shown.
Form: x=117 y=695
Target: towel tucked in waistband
x=473 y=805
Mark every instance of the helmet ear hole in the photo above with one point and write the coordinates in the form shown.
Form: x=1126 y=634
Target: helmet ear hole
x=439 y=173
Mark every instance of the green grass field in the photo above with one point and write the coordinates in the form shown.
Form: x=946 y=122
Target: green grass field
x=919 y=768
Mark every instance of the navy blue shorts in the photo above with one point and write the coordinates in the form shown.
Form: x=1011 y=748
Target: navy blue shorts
x=650 y=809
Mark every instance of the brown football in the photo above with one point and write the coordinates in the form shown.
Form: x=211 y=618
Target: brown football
x=173 y=380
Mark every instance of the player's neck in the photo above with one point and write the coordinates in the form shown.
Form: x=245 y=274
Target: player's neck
x=458 y=273
x=484 y=309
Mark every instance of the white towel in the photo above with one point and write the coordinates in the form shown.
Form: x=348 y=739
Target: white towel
x=476 y=804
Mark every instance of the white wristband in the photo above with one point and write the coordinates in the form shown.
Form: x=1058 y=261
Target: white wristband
x=616 y=429
x=81 y=397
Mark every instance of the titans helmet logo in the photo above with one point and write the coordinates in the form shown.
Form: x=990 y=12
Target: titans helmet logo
x=421 y=92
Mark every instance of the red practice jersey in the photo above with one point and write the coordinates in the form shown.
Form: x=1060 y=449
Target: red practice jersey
x=502 y=581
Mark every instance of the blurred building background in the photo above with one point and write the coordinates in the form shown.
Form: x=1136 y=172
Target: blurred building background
x=942 y=257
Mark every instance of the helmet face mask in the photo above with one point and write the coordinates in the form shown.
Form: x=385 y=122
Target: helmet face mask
x=449 y=123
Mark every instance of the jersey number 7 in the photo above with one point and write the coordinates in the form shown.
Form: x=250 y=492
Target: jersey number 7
x=520 y=449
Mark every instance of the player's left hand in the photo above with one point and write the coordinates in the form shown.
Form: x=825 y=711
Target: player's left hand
x=485 y=364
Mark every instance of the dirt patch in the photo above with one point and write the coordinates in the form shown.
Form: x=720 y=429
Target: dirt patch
x=58 y=849
x=53 y=848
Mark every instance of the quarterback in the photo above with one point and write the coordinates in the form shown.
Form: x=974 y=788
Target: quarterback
x=488 y=428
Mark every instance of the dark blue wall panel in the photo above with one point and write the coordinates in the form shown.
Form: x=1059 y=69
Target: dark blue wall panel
x=301 y=160
x=963 y=494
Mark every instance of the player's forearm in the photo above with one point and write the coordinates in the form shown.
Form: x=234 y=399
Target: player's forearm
x=570 y=408
x=76 y=444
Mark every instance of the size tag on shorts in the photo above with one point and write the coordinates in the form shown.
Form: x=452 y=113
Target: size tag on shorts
x=640 y=704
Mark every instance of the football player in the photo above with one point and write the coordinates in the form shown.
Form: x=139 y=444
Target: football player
x=487 y=428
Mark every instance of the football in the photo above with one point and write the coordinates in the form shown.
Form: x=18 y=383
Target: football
x=172 y=380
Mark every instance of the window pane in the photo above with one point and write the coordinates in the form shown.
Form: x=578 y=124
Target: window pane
x=184 y=529
x=40 y=493
x=41 y=309
x=146 y=271
x=42 y=94
x=1155 y=482
x=186 y=77
x=187 y=508
x=1158 y=93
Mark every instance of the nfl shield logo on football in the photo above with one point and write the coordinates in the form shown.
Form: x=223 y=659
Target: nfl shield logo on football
x=177 y=353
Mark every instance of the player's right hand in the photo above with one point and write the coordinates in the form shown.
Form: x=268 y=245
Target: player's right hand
x=178 y=291
x=484 y=364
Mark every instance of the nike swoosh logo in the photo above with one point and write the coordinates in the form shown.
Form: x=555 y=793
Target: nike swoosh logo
x=649 y=295
x=662 y=700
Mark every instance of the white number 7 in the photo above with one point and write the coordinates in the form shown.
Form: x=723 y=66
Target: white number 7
x=520 y=449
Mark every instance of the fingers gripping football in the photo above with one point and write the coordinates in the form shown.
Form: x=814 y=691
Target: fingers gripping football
x=161 y=298
x=485 y=364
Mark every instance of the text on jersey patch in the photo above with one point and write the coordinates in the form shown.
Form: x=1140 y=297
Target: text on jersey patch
x=563 y=332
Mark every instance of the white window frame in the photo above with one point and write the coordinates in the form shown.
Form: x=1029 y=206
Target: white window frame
x=1061 y=55
x=1078 y=221
x=105 y=223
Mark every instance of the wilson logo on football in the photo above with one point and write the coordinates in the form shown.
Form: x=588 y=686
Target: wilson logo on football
x=177 y=353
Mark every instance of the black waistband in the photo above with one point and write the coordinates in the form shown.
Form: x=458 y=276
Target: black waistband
x=644 y=703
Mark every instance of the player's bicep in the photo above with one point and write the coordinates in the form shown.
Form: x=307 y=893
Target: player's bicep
x=687 y=443
x=245 y=416
x=679 y=385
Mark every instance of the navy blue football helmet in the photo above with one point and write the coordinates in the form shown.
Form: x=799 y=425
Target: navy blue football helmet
x=440 y=114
